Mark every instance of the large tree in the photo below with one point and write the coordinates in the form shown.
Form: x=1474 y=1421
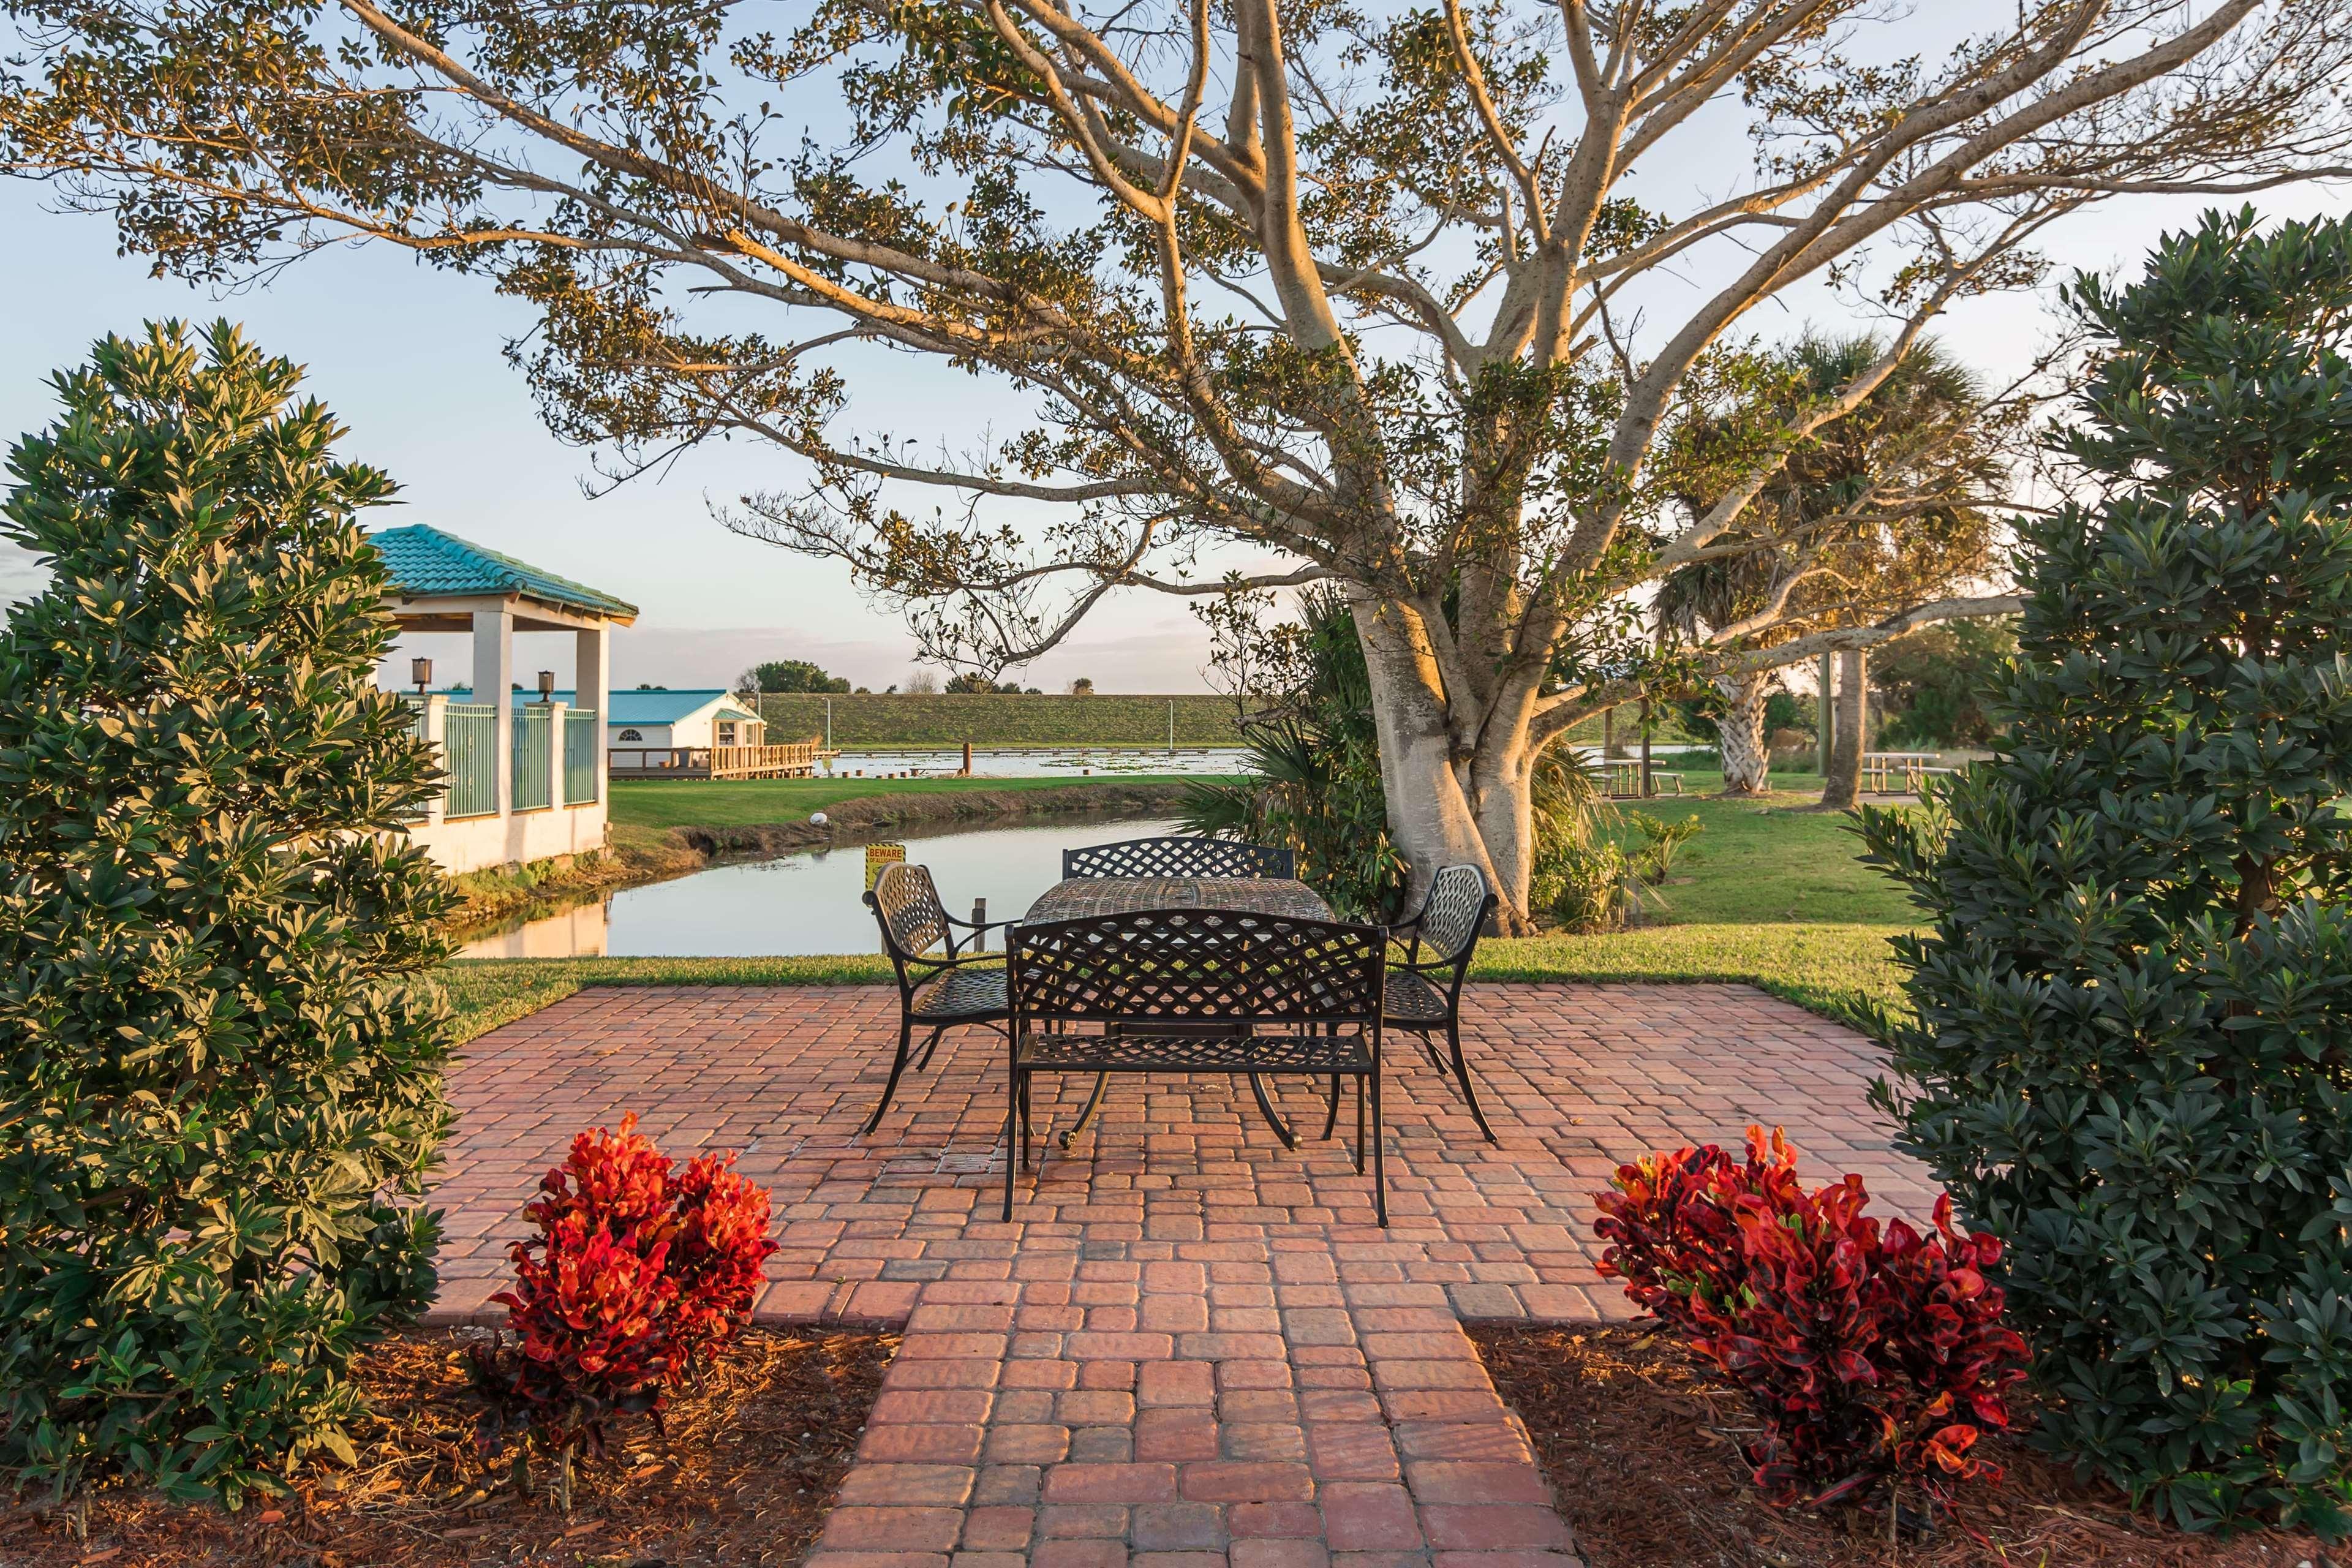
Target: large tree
x=1377 y=294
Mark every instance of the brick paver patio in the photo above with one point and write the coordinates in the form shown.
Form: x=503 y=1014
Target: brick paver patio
x=1191 y=1348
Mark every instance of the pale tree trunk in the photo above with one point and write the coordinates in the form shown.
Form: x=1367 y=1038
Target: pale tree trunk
x=1442 y=810
x=1842 y=791
x=1747 y=762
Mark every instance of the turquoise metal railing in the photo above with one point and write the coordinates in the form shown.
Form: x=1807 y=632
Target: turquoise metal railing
x=583 y=736
x=534 y=756
x=469 y=750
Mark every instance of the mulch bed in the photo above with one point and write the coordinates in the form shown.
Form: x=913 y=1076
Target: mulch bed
x=1642 y=1443
x=742 y=1472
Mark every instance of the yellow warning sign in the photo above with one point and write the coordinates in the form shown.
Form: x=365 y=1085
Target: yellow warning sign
x=879 y=855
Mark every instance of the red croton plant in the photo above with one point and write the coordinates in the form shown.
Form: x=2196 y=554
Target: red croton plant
x=1875 y=1359
x=638 y=1271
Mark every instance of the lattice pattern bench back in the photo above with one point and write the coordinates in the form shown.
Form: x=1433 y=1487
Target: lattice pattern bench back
x=1179 y=858
x=1197 y=965
x=1456 y=907
x=906 y=903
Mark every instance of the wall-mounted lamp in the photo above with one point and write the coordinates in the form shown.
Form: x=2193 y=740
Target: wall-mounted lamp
x=547 y=685
x=420 y=670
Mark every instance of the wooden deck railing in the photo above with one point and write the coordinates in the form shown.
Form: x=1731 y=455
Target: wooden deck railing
x=796 y=760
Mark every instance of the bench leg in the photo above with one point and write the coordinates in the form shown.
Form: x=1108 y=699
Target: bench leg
x=1331 y=1119
x=1273 y=1117
x=1022 y=1096
x=1462 y=1076
x=1359 y=1124
x=1086 y=1117
x=1011 y=1131
x=1379 y=1164
x=932 y=1044
x=897 y=1067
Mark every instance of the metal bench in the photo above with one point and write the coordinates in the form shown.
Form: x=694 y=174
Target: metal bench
x=1199 y=991
x=1182 y=856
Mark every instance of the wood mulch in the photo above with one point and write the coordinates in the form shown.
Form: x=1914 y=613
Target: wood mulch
x=1642 y=1443
x=742 y=1471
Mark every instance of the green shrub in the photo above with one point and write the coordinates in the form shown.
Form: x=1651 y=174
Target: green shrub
x=1661 y=841
x=1584 y=883
x=2133 y=1055
x=217 y=1079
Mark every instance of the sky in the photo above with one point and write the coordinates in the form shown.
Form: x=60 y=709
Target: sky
x=413 y=360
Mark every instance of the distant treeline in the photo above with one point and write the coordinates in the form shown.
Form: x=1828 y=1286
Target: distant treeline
x=992 y=719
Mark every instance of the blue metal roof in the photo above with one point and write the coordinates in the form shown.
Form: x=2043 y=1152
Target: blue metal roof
x=665 y=706
x=426 y=562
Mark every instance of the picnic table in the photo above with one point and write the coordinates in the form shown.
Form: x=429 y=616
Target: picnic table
x=1166 y=1043
x=1073 y=897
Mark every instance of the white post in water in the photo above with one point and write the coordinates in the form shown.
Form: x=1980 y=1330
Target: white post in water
x=1171 y=726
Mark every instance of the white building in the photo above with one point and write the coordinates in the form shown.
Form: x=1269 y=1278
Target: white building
x=701 y=717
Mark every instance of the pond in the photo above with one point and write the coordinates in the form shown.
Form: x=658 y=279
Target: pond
x=804 y=904
x=1040 y=761
x=1078 y=761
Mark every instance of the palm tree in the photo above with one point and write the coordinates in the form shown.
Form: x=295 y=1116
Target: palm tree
x=1885 y=507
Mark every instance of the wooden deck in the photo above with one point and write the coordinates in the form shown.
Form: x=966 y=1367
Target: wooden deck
x=796 y=760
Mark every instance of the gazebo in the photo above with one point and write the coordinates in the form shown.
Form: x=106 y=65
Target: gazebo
x=527 y=773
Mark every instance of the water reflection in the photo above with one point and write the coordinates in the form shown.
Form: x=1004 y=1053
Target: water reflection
x=1073 y=761
x=800 y=903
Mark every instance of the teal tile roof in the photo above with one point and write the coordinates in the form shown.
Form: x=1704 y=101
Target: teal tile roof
x=426 y=562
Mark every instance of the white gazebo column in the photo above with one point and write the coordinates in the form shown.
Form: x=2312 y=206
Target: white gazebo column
x=556 y=714
x=437 y=735
x=494 y=686
x=591 y=686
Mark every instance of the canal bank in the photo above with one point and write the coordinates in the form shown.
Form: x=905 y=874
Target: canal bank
x=665 y=830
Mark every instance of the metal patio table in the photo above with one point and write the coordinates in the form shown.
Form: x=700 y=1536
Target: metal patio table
x=1075 y=897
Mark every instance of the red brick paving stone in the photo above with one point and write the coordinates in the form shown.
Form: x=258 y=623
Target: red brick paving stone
x=1360 y=1516
x=1120 y=1483
x=900 y=1486
x=1445 y=1480
x=893 y=1528
x=1247 y=1480
x=920 y=1443
x=998 y=1528
x=1352 y=1452
x=1280 y=1554
x=1178 y=1230
x=1079 y=1554
x=1473 y=1527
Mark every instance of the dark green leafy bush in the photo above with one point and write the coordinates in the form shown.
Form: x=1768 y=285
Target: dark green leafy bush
x=2132 y=1058
x=218 y=1079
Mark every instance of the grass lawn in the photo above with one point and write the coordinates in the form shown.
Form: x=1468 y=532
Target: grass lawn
x=1772 y=860
x=663 y=804
x=1769 y=894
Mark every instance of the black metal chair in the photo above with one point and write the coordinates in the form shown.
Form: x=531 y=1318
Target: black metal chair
x=1185 y=857
x=1199 y=991
x=1425 y=995
x=936 y=993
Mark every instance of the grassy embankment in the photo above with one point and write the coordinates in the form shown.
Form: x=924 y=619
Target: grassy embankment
x=908 y=720
x=1769 y=894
